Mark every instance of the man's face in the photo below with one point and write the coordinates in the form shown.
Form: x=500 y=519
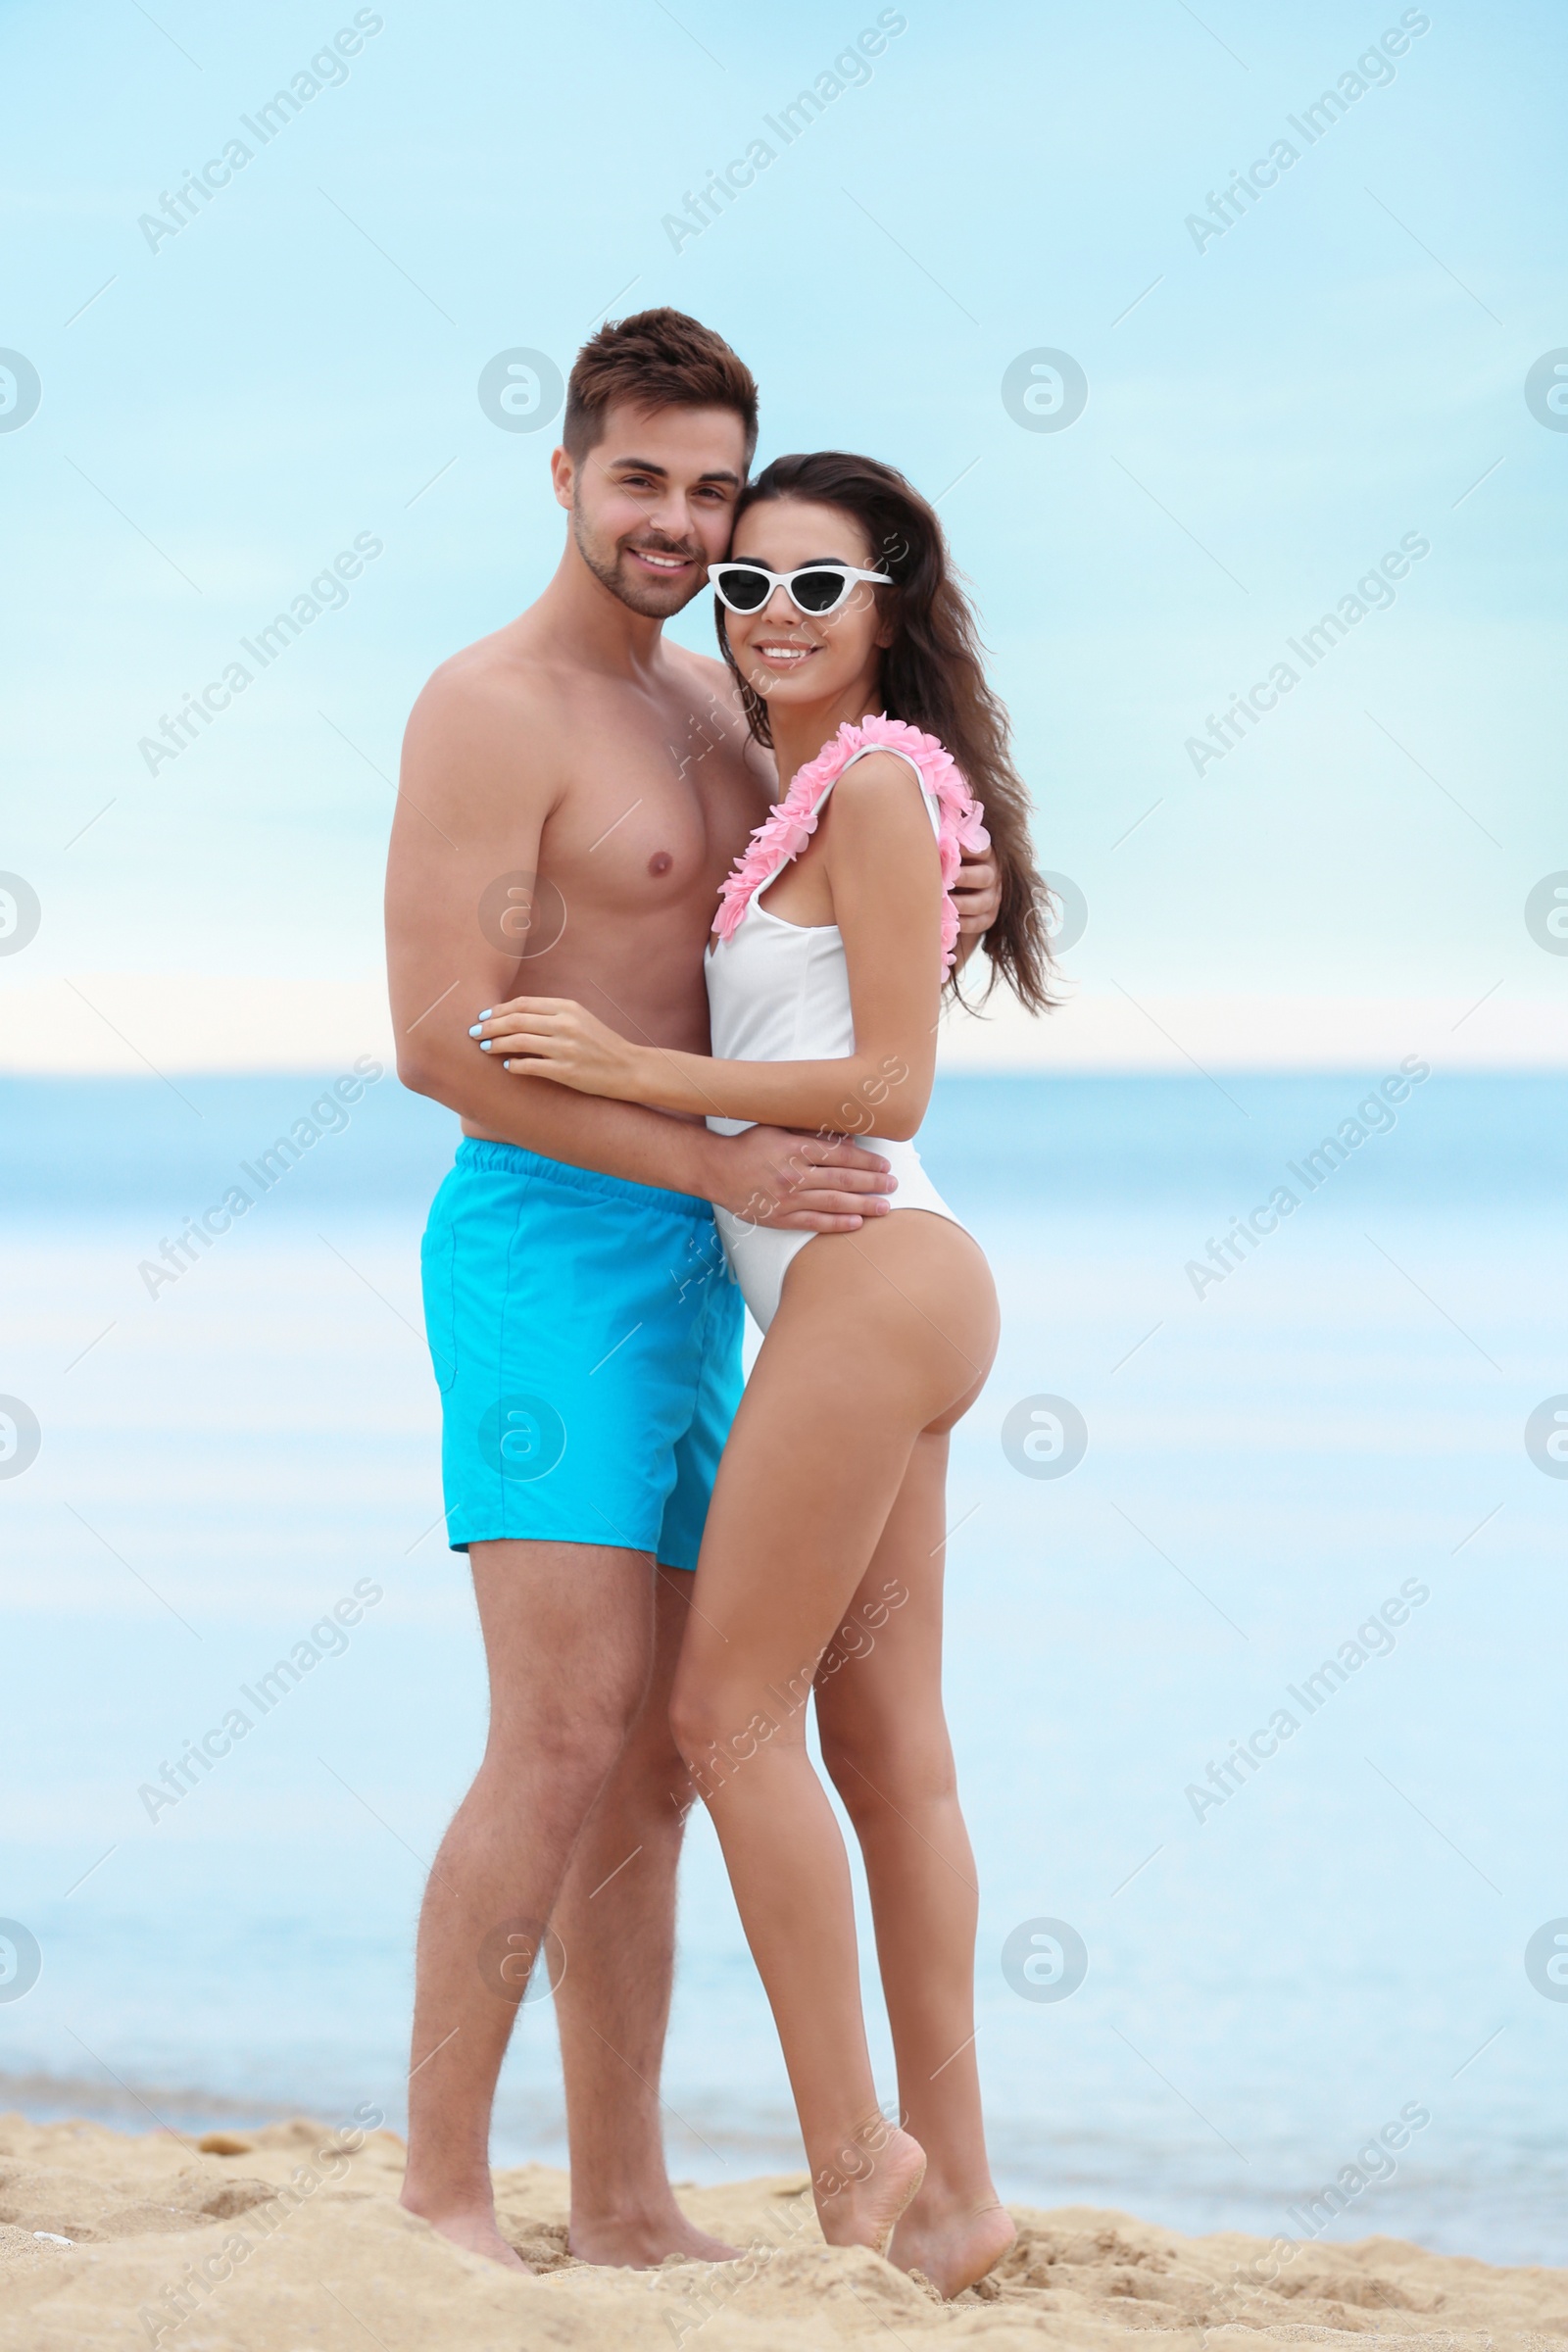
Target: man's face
x=652 y=502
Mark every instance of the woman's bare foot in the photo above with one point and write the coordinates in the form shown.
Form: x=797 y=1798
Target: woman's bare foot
x=862 y=2195
x=642 y=2242
x=950 y=2245
x=472 y=2227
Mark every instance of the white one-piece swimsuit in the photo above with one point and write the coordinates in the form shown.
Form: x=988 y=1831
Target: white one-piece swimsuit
x=780 y=992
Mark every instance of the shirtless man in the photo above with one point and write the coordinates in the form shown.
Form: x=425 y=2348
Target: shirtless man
x=573 y=792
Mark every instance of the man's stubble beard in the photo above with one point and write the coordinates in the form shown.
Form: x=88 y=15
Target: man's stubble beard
x=646 y=600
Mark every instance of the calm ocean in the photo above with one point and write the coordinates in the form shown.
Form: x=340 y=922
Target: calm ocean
x=1271 y=1978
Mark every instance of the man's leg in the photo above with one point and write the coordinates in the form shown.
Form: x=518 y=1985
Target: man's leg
x=569 y=1635
x=616 y=1917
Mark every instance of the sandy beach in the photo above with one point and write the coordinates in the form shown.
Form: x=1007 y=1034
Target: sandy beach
x=305 y=2246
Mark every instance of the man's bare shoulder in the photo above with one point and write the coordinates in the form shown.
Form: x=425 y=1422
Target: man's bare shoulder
x=486 y=737
x=486 y=713
x=705 y=674
x=497 y=678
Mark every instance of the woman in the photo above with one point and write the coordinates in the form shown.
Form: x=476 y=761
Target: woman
x=822 y=1564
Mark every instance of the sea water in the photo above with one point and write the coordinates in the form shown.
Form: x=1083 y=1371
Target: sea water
x=1205 y=1986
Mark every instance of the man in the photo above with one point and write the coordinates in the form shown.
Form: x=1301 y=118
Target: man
x=574 y=793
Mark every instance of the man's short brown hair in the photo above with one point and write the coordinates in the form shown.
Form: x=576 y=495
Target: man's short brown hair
x=660 y=359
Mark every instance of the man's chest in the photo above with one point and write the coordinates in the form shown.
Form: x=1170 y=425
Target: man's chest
x=648 y=814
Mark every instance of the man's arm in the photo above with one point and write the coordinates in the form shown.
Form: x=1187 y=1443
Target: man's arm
x=462 y=790
x=882 y=865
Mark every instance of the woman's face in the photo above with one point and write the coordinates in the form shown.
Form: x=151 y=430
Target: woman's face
x=790 y=656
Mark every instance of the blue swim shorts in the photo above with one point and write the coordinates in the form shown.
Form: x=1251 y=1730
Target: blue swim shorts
x=586 y=1337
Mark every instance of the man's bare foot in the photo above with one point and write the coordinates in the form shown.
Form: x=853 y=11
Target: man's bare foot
x=864 y=2210
x=950 y=2245
x=642 y=2242
x=474 y=2230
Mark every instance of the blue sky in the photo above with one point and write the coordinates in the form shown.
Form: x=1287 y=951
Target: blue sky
x=1266 y=418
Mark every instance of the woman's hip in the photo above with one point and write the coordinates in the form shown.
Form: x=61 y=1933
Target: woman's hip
x=904 y=1305
x=761 y=1257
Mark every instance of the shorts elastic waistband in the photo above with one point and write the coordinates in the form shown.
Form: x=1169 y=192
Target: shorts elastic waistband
x=512 y=1159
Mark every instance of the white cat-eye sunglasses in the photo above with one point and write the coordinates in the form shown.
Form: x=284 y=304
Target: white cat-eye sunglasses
x=816 y=589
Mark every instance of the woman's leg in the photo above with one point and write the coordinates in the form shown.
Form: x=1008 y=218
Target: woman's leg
x=886 y=1747
x=880 y=1333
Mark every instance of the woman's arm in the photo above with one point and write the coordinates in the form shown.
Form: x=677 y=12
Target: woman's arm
x=883 y=869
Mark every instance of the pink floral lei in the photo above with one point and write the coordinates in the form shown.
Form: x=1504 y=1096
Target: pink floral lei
x=789 y=826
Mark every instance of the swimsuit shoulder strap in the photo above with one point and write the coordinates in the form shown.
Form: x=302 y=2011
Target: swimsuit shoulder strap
x=929 y=797
x=955 y=817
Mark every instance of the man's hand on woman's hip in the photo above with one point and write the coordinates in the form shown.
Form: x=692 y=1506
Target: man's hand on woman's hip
x=801 y=1183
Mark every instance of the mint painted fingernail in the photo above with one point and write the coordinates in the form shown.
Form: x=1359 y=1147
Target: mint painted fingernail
x=475 y=1030
x=485 y=1044
x=488 y=1010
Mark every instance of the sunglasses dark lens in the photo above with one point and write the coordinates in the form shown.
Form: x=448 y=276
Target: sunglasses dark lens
x=745 y=591
x=819 y=591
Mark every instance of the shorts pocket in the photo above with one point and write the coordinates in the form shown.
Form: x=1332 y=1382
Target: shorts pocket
x=437 y=1253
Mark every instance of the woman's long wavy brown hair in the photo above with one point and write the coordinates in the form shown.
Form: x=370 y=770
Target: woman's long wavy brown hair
x=933 y=677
